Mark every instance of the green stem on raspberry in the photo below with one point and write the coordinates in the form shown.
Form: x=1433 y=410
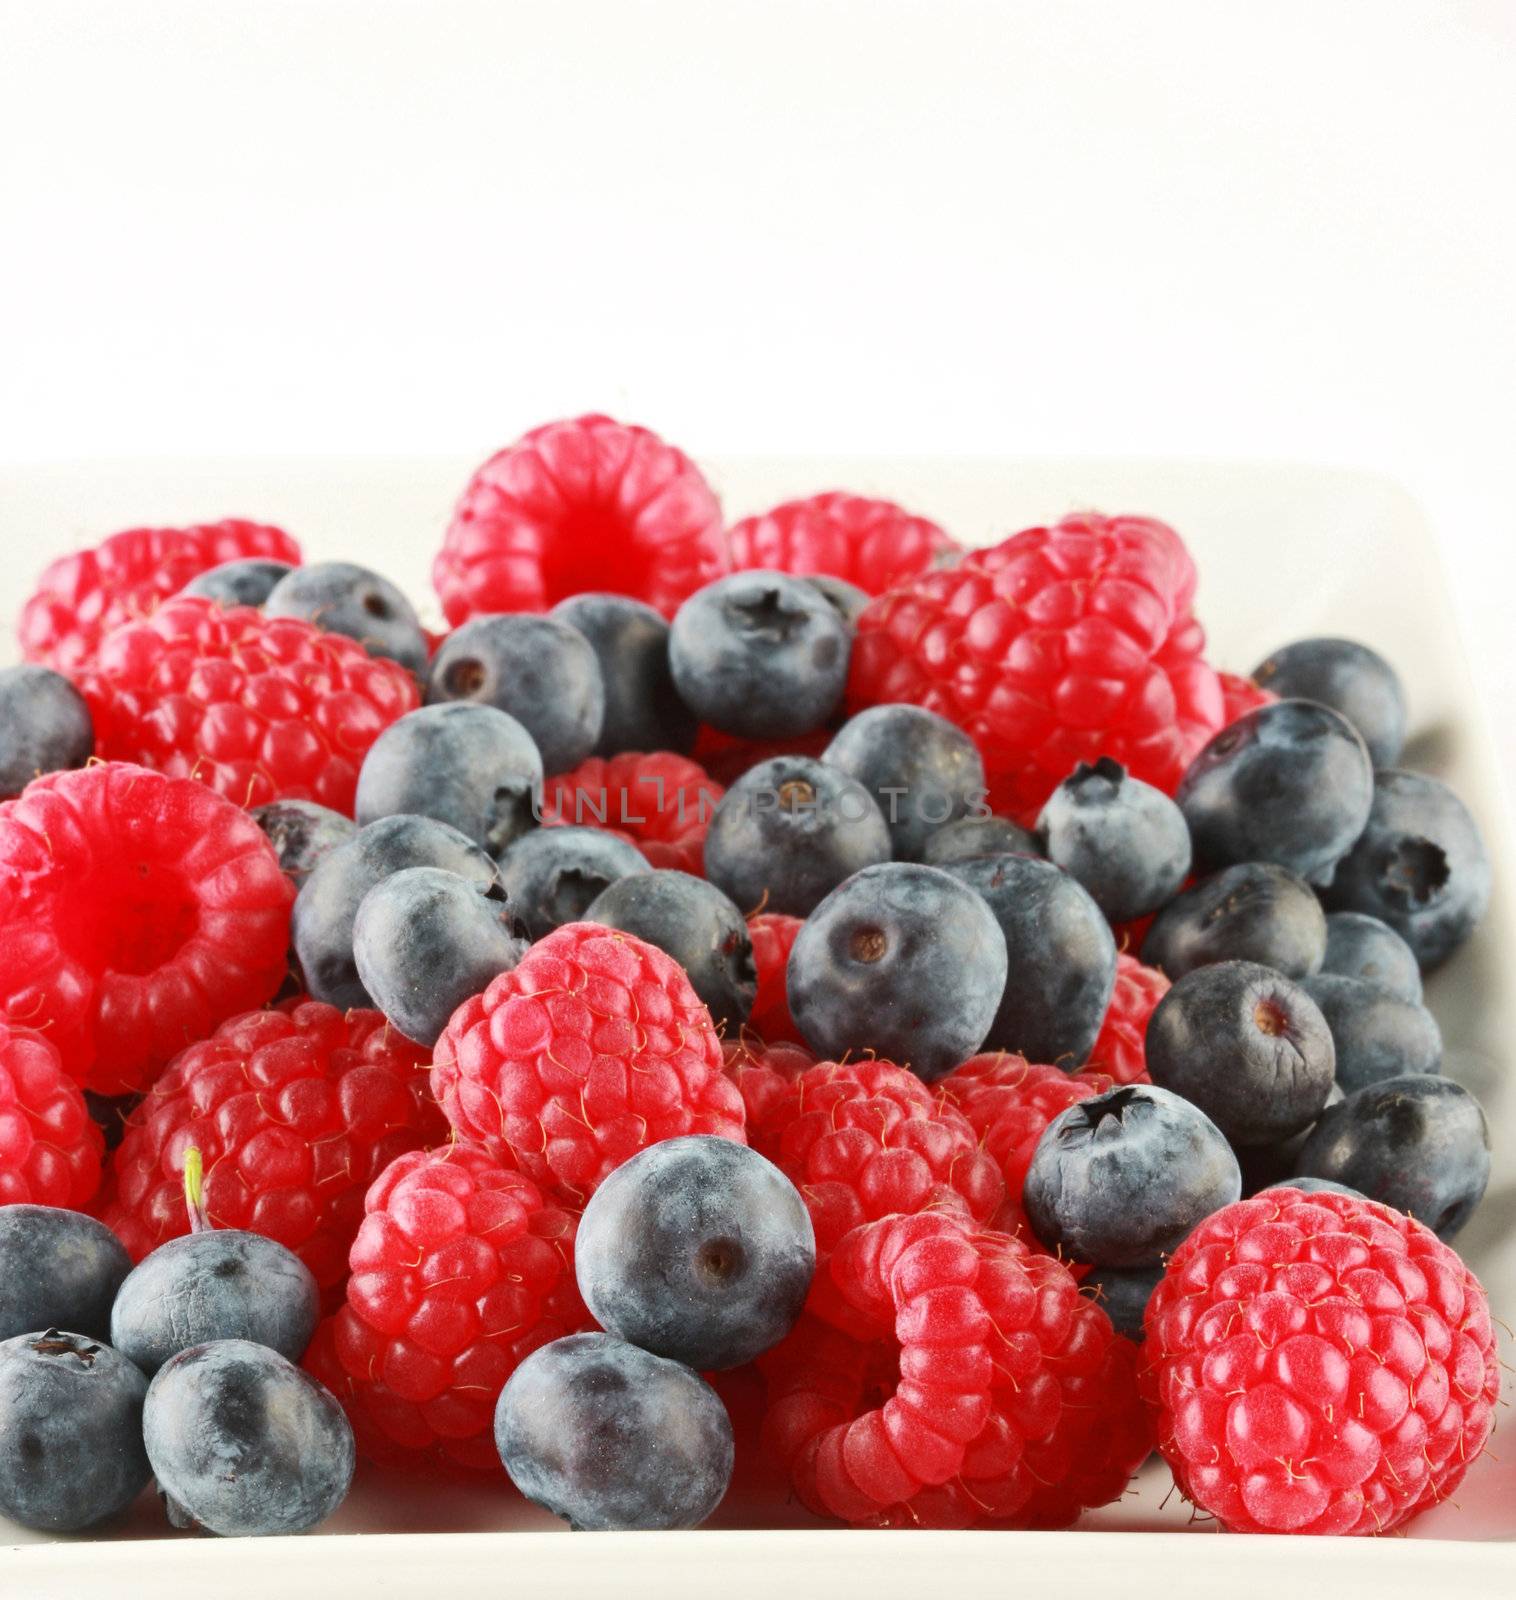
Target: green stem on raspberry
x=194 y=1191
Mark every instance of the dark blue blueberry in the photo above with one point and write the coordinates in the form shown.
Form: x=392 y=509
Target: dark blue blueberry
x=425 y=940
x=1419 y=1144
x=1317 y=1186
x=847 y=599
x=1247 y=1046
x=922 y=770
x=470 y=766
x=1122 y=1179
x=698 y=1249
x=1289 y=783
x=788 y=832
x=697 y=925
x=538 y=669
x=1123 y=1294
x=643 y=710
x=58 y=1269
x=1124 y=840
x=243 y=1442
x=1251 y=912
x=1351 y=679
x=240 y=583
x=760 y=654
x=902 y=962
x=70 y=1431
x=1267 y=1166
x=1360 y=946
x=216 y=1284
x=608 y=1436
x=554 y=875
x=978 y=836
x=327 y=904
x=1420 y=865
x=45 y=726
x=1061 y=958
x=341 y=597
x=302 y=833
x=1378 y=1035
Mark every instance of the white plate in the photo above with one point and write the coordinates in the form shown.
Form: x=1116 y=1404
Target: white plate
x=1283 y=551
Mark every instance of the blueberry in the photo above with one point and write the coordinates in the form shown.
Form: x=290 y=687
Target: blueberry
x=788 y=832
x=471 y=766
x=1289 y=783
x=921 y=770
x=1124 y=840
x=1419 y=1144
x=1247 y=1046
x=846 y=599
x=216 y=1284
x=899 y=961
x=1061 y=958
x=697 y=1249
x=1251 y=912
x=1267 y=1166
x=760 y=654
x=1351 y=679
x=45 y=726
x=58 y=1269
x=608 y=1436
x=1123 y=1294
x=239 y=583
x=554 y=875
x=1318 y=1186
x=1420 y=866
x=1360 y=946
x=1122 y=1179
x=70 y=1431
x=978 y=836
x=697 y=925
x=643 y=710
x=341 y=597
x=243 y=1442
x=327 y=904
x=539 y=669
x=302 y=833
x=1378 y=1035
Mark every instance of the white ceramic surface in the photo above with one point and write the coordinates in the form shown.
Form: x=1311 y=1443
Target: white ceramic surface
x=1283 y=551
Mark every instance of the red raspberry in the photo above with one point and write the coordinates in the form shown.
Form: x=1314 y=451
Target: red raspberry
x=50 y=1149
x=763 y=1074
x=591 y=1048
x=295 y=1112
x=583 y=504
x=260 y=708
x=662 y=803
x=773 y=936
x=726 y=757
x=82 y=597
x=460 y=1270
x=1320 y=1363
x=1008 y=1399
x=1120 y=1050
x=1060 y=645
x=139 y=911
x=874 y=544
x=1241 y=695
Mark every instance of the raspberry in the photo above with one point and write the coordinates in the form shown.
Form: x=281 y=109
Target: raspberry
x=1120 y=1050
x=1320 y=1363
x=773 y=936
x=661 y=802
x=590 y=1049
x=50 y=1149
x=459 y=1271
x=1008 y=1399
x=763 y=1074
x=726 y=757
x=1241 y=695
x=260 y=708
x=874 y=544
x=82 y=597
x=295 y=1112
x=139 y=911
x=1060 y=645
x=583 y=504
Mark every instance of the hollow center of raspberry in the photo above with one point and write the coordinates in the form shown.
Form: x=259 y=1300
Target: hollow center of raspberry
x=141 y=918
x=594 y=547
x=720 y=1260
x=1416 y=871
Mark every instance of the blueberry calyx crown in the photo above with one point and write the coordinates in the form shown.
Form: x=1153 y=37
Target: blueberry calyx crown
x=55 y=1343
x=1113 y=1104
x=1415 y=871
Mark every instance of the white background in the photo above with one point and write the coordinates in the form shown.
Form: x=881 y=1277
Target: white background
x=1162 y=229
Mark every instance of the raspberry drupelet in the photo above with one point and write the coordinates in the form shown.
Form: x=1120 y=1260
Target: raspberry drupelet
x=773 y=935
x=1120 y=1049
x=661 y=802
x=50 y=1148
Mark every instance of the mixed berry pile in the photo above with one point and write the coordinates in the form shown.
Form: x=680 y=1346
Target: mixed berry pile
x=798 y=1004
